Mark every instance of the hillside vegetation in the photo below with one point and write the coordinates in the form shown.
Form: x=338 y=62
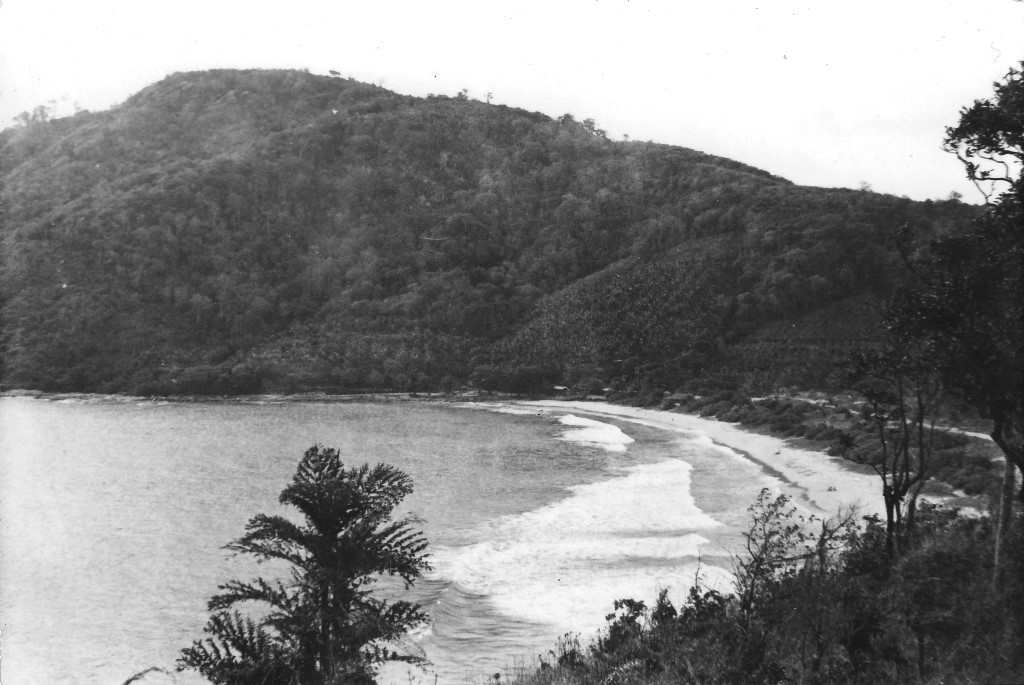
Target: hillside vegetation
x=244 y=231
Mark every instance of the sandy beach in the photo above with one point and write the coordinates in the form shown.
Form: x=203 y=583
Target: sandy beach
x=822 y=483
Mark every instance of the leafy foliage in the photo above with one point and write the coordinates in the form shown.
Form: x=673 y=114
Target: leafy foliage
x=237 y=231
x=324 y=625
x=967 y=300
x=821 y=602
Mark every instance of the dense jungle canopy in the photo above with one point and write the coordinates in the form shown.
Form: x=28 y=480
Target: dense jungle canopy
x=245 y=231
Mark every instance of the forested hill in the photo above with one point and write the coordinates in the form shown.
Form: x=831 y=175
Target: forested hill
x=239 y=231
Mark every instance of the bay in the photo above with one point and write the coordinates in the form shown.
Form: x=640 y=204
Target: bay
x=114 y=512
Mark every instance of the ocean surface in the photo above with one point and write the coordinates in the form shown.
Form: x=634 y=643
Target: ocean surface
x=114 y=513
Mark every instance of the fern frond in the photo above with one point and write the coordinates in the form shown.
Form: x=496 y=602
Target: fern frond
x=259 y=590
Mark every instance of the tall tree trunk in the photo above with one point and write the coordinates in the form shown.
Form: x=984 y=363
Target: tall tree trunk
x=890 y=523
x=1013 y=455
x=326 y=662
x=1005 y=518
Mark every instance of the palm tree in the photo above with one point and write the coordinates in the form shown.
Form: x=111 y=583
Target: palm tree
x=323 y=626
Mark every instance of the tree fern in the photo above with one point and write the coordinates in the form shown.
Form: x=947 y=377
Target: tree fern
x=322 y=625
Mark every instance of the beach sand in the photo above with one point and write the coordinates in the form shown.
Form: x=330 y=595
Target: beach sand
x=826 y=484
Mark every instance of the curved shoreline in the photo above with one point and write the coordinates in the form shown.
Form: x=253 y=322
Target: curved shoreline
x=826 y=483
x=815 y=476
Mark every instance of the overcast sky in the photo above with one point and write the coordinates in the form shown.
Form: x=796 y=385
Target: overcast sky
x=826 y=93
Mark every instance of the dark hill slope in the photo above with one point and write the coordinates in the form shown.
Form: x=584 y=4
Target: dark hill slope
x=231 y=231
x=788 y=283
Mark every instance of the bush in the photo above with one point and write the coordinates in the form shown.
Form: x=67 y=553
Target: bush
x=826 y=602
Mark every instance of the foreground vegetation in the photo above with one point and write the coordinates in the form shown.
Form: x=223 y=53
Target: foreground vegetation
x=823 y=602
x=322 y=625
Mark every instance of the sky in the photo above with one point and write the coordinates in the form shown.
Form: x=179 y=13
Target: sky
x=823 y=93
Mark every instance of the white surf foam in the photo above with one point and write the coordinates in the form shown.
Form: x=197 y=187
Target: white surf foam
x=563 y=564
x=825 y=483
x=594 y=433
x=582 y=431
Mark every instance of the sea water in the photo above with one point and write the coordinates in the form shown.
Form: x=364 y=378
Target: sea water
x=114 y=513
